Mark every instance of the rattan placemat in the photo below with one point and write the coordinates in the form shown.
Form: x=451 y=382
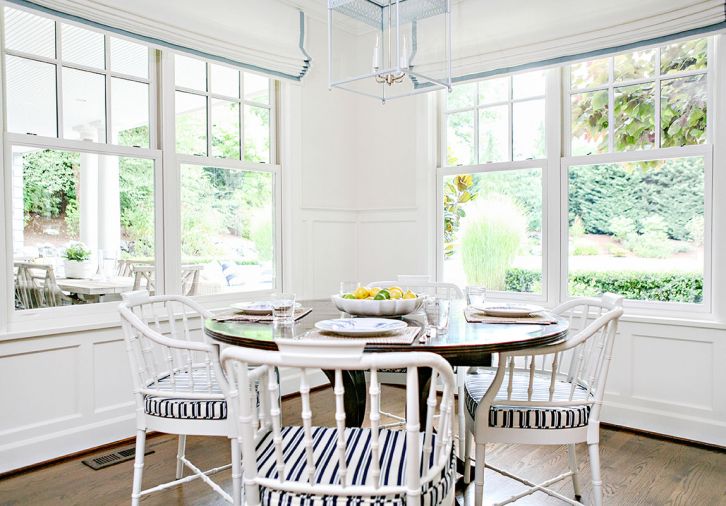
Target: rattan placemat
x=255 y=318
x=541 y=318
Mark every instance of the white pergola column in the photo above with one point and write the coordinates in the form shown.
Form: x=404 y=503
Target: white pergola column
x=18 y=209
x=88 y=200
x=109 y=207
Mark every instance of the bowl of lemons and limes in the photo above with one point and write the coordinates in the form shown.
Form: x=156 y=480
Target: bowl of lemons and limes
x=378 y=301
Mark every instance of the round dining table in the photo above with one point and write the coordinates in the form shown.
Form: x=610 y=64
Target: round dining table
x=465 y=344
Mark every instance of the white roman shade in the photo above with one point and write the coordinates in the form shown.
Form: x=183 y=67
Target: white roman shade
x=262 y=35
x=494 y=36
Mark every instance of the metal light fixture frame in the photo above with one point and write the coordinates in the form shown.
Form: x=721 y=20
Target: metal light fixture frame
x=430 y=83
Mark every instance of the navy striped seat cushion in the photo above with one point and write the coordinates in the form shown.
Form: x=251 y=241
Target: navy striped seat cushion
x=392 y=461
x=527 y=417
x=187 y=409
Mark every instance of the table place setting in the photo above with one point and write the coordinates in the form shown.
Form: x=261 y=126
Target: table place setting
x=368 y=330
x=280 y=308
x=477 y=310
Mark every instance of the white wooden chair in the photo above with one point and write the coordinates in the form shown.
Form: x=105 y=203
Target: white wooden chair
x=312 y=465
x=36 y=287
x=547 y=395
x=144 y=278
x=178 y=380
x=420 y=284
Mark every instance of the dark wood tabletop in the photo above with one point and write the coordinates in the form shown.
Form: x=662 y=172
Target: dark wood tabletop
x=466 y=344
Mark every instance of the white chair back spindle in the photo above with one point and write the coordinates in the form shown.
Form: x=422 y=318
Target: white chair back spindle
x=580 y=360
x=302 y=356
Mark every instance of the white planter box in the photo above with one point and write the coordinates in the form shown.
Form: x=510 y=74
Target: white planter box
x=78 y=270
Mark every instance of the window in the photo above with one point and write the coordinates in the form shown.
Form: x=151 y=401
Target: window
x=62 y=89
x=63 y=198
x=632 y=181
x=222 y=112
x=637 y=225
x=84 y=170
x=496 y=120
x=640 y=100
x=232 y=233
x=492 y=214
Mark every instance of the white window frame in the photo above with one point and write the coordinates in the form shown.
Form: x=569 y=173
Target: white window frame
x=555 y=247
x=167 y=208
x=547 y=165
x=210 y=96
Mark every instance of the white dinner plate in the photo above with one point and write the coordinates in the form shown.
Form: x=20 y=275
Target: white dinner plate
x=504 y=309
x=260 y=307
x=361 y=327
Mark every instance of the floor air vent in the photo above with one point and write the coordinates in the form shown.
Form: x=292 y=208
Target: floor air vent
x=109 y=459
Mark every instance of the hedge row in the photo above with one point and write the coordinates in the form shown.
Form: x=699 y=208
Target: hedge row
x=656 y=286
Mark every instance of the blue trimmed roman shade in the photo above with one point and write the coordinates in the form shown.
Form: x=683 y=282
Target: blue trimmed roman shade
x=262 y=35
x=491 y=37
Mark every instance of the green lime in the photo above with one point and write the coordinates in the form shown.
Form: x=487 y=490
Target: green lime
x=382 y=295
x=349 y=296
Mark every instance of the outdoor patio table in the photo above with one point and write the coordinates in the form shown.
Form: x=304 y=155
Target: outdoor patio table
x=96 y=288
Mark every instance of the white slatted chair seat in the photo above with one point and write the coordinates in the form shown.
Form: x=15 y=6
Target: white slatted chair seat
x=214 y=408
x=529 y=417
x=392 y=461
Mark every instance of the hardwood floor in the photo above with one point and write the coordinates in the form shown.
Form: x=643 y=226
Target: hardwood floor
x=637 y=470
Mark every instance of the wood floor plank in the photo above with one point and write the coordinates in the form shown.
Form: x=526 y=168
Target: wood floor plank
x=637 y=470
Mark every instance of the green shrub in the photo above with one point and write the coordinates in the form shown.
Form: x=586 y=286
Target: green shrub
x=584 y=247
x=577 y=229
x=695 y=229
x=492 y=237
x=523 y=280
x=621 y=227
x=617 y=251
x=262 y=235
x=652 y=286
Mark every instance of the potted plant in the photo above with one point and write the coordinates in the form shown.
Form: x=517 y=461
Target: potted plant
x=77 y=261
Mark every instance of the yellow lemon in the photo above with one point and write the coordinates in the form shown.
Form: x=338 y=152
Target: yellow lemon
x=396 y=293
x=409 y=295
x=373 y=291
x=395 y=288
x=361 y=292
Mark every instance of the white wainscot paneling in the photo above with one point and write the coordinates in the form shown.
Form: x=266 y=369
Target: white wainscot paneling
x=662 y=376
x=388 y=248
x=40 y=387
x=332 y=255
x=666 y=378
x=112 y=386
x=62 y=394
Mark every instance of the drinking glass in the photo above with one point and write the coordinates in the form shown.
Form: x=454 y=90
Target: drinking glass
x=283 y=308
x=437 y=313
x=475 y=295
x=348 y=287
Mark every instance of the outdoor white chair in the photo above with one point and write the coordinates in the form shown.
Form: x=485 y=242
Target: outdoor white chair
x=178 y=380
x=314 y=465
x=547 y=395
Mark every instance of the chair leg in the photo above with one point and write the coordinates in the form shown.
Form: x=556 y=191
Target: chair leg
x=180 y=451
x=462 y=422
x=236 y=472
x=138 y=466
x=479 y=474
x=572 y=457
x=594 y=450
x=467 y=457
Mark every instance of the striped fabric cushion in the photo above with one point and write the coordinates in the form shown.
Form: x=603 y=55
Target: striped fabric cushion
x=358 y=461
x=526 y=417
x=187 y=409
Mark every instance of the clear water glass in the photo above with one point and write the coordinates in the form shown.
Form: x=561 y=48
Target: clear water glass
x=348 y=287
x=475 y=295
x=283 y=308
x=437 y=312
